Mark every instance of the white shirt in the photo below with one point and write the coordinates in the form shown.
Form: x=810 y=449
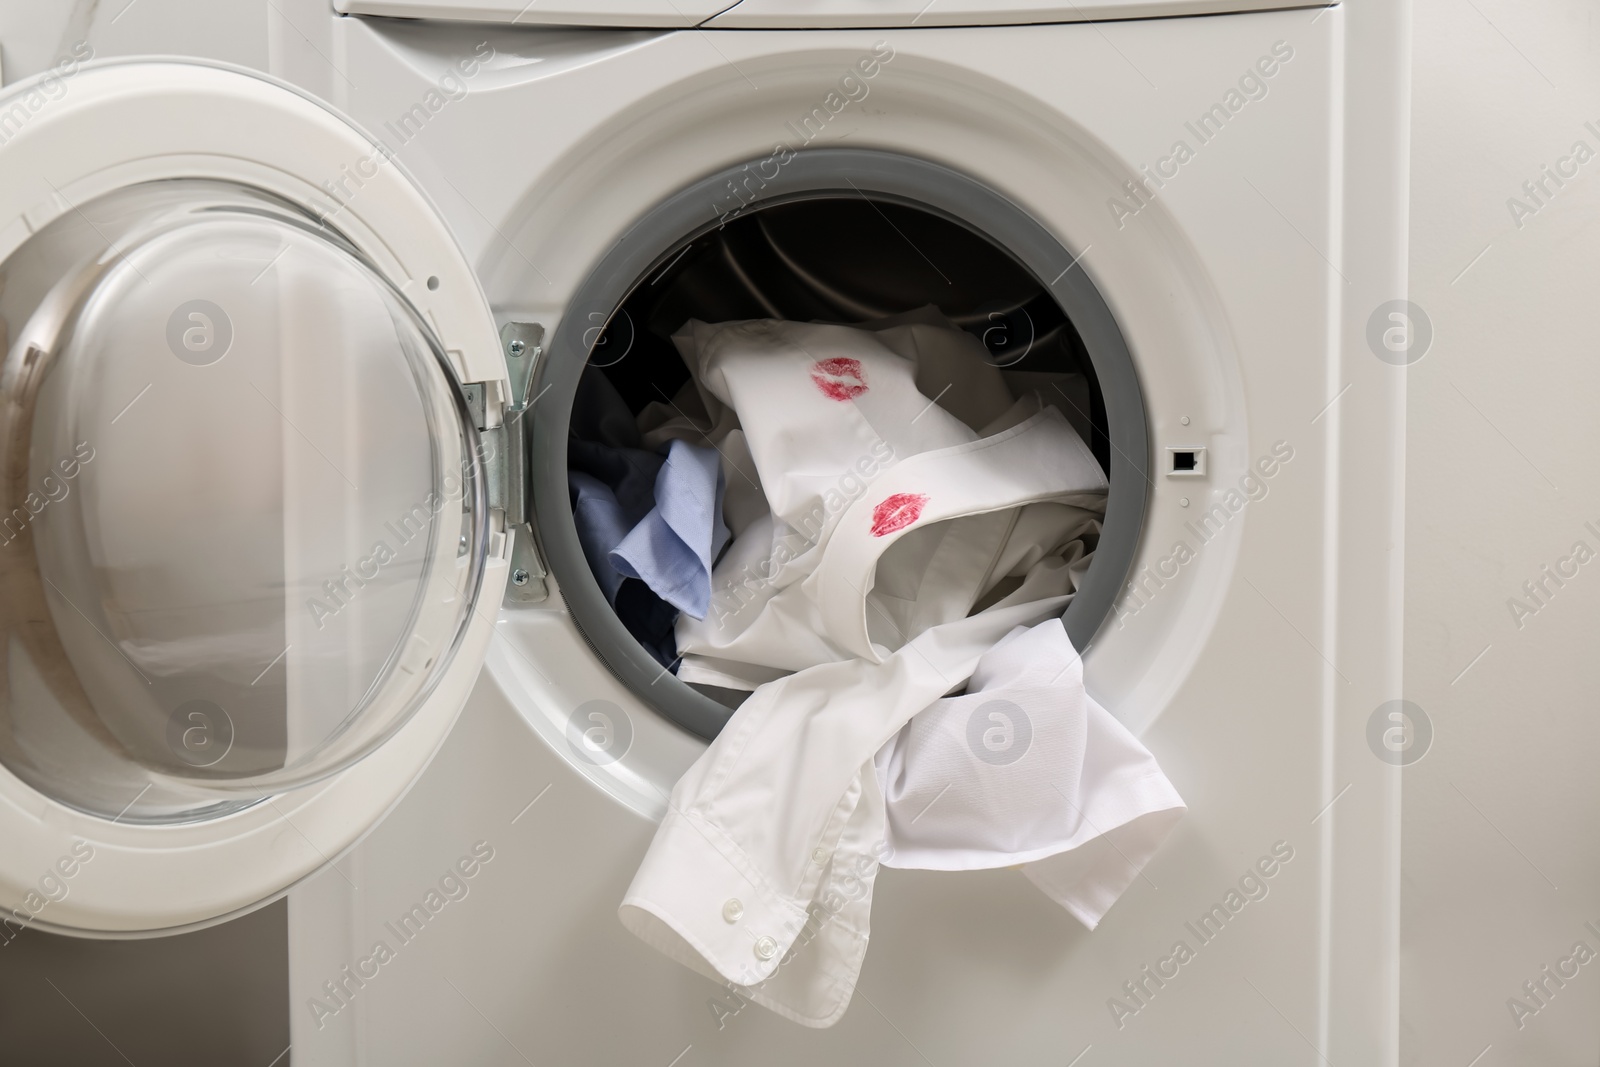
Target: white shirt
x=887 y=521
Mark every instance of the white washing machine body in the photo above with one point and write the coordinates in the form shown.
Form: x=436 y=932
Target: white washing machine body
x=1231 y=182
x=1250 y=659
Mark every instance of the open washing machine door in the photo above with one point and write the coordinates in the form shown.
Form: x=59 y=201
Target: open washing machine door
x=252 y=533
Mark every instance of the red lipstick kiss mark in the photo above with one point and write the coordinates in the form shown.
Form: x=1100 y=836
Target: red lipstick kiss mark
x=897 y=512
x=839 y=378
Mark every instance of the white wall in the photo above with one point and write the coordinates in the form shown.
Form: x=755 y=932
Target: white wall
x=1501 y=859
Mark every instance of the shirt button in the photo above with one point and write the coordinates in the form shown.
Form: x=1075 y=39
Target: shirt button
x=732 y=911
x=766 y=948
x=820 y=856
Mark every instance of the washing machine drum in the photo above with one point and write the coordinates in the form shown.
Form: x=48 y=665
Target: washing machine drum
x=908 y=245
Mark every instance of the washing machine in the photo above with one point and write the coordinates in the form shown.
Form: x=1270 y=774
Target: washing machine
x=296 y=600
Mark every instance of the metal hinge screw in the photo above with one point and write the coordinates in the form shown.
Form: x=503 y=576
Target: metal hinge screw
x=517 y=347
x=519 y=577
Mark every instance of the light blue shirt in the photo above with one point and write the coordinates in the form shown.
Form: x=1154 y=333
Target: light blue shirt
x=673 y=547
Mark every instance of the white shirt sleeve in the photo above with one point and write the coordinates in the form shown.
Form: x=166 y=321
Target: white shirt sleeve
x=730 y=880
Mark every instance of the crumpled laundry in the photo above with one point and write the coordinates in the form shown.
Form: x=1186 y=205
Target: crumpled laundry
x=650 y=525
x=818 y=434
x=1089 y=780
x=671 y=549
x=904 y=528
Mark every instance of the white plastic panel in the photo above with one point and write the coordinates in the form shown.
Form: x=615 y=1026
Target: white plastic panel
x=663 y=13
x=815 y=14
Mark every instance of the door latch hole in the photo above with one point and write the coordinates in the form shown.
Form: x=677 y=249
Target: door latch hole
x=1186 y=462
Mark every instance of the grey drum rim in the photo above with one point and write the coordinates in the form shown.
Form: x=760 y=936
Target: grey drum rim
x=816 y=173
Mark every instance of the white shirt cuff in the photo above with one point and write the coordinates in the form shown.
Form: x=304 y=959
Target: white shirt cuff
x=698 y=899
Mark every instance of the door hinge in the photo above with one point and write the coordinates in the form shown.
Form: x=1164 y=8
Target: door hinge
x=505 y=457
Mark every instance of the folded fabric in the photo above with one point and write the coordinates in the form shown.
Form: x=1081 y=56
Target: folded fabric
x=672 y=548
